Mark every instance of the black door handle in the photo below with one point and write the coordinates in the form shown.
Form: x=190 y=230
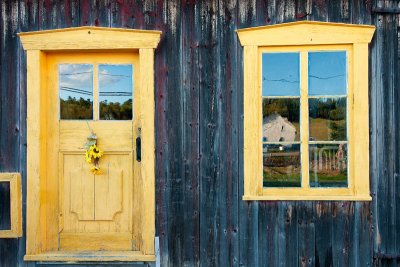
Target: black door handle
x=138 y=149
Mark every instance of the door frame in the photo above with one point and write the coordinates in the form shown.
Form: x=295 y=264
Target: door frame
x=41 y=211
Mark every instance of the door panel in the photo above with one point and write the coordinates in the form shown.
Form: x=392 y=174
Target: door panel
x=95 y=210
x=81 y=189
x=100 y=197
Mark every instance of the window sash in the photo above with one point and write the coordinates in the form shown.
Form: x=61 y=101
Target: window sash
x=304 y=142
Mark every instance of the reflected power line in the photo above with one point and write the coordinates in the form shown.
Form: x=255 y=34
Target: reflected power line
x=85 y=92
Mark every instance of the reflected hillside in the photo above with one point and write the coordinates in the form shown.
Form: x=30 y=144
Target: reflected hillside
x=76 y=109
x=82 y=109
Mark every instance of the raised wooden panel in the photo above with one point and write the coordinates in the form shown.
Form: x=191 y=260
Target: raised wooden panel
x=96 y=207
x=109 y=187
x=80 y=191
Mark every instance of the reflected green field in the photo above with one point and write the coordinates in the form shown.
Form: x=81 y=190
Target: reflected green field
x=284 y=180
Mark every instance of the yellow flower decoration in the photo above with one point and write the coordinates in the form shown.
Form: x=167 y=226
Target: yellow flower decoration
x=96 y=152
x=93 y=153
x=95 y=170
x=88 y=156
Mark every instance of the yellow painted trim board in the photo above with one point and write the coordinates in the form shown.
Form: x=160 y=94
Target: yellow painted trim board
x=93 y=38
x=306 y=33
x=148 y=149
x=14 y=179
x=252 y=142
x=303 y=37
x=93 y=256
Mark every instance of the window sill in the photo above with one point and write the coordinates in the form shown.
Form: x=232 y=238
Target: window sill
x=315 y=197
x=92 y=256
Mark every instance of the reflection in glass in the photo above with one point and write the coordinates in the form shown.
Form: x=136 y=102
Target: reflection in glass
x=76 y=91
x=281 y=119
x=281 y=165
x=280 y=74
x=5 y=214
x=115 y=92
x=327 y=73
x=328 y=165
x=327 y=119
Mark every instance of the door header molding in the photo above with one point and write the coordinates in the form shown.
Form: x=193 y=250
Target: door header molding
x=89 y=38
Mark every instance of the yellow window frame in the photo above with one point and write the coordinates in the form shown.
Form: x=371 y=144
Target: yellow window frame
x=39 y=45
x=303 y=37
x=15 y=205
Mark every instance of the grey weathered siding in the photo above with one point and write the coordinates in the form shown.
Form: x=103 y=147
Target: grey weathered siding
x=201 y=219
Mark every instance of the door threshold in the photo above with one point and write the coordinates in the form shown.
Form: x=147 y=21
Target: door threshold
x=82 y=256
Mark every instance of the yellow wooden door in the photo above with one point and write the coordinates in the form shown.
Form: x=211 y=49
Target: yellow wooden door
x=93 y=92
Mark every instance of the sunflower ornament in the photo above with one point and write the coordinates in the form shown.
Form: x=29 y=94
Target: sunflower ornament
x=93 y=153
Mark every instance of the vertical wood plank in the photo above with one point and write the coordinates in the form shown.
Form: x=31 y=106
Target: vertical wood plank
x=162 y=54
x=228 y=148
x=209 y=133
x=323 y=234
x=191 y=133
x=9 y=104
x=306 y=235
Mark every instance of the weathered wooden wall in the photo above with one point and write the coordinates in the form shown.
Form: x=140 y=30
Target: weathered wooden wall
x=201 y=219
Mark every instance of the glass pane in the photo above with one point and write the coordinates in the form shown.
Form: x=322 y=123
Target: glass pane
x=280 y=74
x=115 y=92
x=327 y=73
x=328 y=165
x=5 y=215
x=327 y=119
x=281 y=165
x=281 y=120
x=76 y=91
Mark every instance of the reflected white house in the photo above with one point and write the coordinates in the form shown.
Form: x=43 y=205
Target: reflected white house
x=278 y=129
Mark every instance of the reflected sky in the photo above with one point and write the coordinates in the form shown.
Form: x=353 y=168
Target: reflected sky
x=115 y=83
x=327 y=73
x=76 y=81
x=281 y=74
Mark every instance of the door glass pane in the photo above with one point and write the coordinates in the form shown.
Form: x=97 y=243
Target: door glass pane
x=281 y=120
x=281 y=165
x=280 y=74
x=5 y=205
x=76 y=91
x=115 y=92
x=328 y=165
x=327 y=119
x=327 y=73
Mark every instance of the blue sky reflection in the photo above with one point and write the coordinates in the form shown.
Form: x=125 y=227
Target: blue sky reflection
x=115 y=83
x=281 y=74
x=327 y=73
x=76 y=81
